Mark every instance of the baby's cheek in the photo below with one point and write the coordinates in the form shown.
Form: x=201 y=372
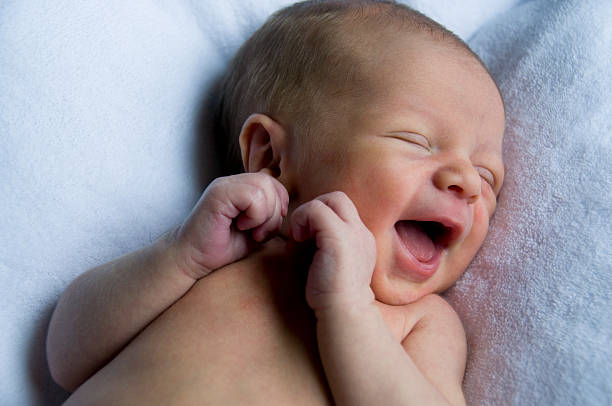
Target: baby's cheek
x=490 y=200
x=480 y=228
x=464 y=252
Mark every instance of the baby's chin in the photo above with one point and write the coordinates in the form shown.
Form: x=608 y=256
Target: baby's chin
x=397 y=291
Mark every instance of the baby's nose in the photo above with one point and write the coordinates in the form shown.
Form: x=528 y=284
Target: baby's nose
x=460 y=178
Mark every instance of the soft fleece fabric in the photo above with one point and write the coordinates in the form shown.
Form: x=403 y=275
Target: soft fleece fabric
x=101 y=106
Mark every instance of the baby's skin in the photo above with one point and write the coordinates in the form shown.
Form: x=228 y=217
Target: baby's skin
x=246 y=334
x=312 y=277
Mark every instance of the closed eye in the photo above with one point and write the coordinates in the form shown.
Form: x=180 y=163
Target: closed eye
x=487 y=175
x=413 y=138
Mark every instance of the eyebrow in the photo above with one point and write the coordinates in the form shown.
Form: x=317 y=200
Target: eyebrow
x=407 y=109
x=428 y=116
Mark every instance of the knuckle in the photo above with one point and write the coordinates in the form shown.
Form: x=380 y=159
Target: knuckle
x=343 y=200
x=256 y=195
x=266 y=183
x=315 y=204
x=339 y=195
x=263 y=179
x=217 y=184
x=214 y=194
x=220 y=186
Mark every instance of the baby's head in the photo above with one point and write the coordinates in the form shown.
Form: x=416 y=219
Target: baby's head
x=376 y=100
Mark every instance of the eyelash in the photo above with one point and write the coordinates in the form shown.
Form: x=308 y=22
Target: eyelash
x=487 y=176
x=415 y=139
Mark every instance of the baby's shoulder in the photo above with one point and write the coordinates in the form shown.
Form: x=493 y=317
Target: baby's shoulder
x=436 y=342
x=431 y=312
x=431 y=315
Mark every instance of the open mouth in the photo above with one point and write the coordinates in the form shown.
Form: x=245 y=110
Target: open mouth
x=424 y=239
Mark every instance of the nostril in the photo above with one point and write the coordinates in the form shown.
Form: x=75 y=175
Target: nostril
x=458 y=180
x=460 y=191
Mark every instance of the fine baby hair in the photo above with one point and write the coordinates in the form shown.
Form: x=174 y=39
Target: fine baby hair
x=308 y=55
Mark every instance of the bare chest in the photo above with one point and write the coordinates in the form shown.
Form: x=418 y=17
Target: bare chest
x=242 y=335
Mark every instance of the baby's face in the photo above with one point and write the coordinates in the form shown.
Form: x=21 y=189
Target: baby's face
x=421 y=159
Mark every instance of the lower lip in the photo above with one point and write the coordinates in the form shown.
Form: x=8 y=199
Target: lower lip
x=411 y=267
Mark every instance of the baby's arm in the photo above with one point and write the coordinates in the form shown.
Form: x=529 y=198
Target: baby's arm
x=103 y=309
x=364 y=363
x=438 y=346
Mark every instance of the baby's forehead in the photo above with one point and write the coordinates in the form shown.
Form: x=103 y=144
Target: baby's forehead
x=443 y=91
x=402 y=66
x=367 y=54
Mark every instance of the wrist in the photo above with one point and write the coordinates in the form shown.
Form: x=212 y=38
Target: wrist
x=176 y=256
x=342 y=305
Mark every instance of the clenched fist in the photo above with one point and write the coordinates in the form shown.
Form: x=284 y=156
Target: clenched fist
x=233 y=214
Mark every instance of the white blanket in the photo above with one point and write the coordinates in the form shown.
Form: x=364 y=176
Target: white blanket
x=100 y=107
x=537 y=300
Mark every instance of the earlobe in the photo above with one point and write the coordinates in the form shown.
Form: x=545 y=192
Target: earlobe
x=262 y=143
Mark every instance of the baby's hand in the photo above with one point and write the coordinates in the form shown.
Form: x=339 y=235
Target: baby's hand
x=342 y=266
x=232 y=214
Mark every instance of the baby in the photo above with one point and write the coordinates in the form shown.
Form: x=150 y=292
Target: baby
x=371 y=143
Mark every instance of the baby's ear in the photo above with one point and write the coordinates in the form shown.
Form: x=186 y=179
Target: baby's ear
x=262 y=144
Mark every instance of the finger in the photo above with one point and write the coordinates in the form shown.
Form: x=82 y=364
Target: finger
x=283 y=196
x=250 y=200
x=265 y=208
x=229 y=200
x=280 y=189
x=312 y=217
x=258 y=210
x=241 y=245
x=271 y=225
x=279 y=195
x=342 y=205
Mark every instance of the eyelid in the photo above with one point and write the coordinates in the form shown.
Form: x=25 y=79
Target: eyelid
x=487 y=175
x=414 y=138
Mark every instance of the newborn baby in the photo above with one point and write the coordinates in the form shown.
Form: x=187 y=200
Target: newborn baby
x=370 y=138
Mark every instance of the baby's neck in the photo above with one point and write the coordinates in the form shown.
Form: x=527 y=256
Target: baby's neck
x=280 y=252
x=280 y=264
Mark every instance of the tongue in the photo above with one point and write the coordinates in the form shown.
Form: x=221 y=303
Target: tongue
x=416 y=240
